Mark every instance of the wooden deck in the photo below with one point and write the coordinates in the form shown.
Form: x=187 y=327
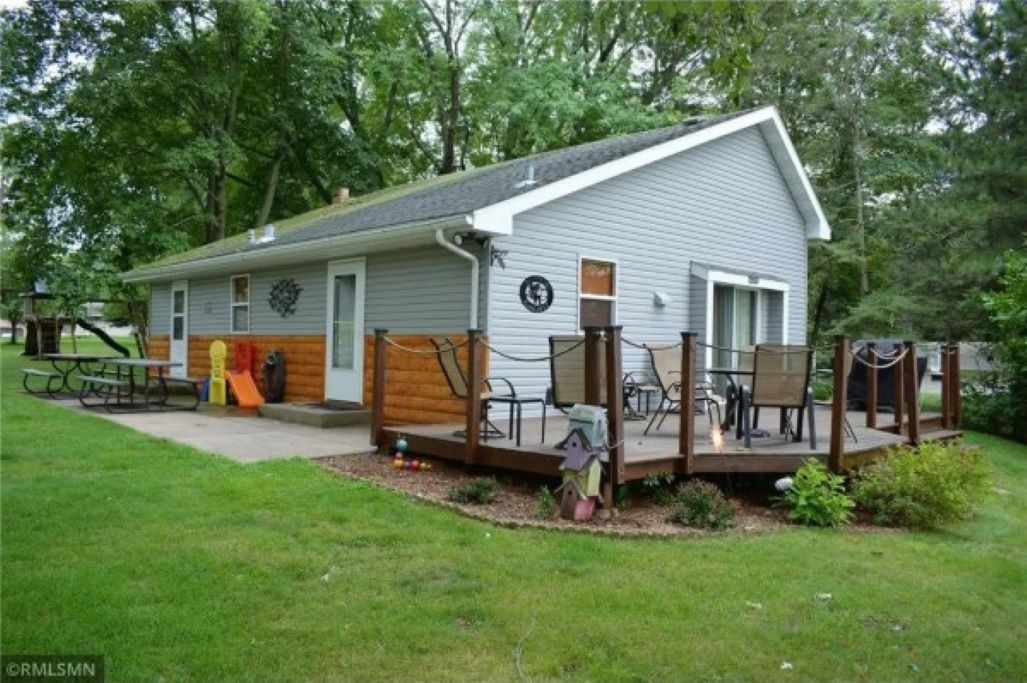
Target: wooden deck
x=658 y=451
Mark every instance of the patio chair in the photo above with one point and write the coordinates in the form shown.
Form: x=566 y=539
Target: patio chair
x=780 y=379
x=667 y=369
x=567 y=371
x=458 y=385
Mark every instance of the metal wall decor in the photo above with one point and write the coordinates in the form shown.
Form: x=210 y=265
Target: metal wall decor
x=497 y=256
x=284 y=295
x=536 y=293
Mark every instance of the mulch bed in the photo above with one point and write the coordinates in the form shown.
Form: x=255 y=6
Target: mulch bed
x=519 y=495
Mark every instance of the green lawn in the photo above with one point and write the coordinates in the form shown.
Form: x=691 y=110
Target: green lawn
x=176 y=564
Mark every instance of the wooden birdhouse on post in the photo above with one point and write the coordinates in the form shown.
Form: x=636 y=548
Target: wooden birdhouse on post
x=582 y=472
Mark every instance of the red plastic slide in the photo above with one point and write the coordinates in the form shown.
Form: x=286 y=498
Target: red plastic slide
x=246 y=394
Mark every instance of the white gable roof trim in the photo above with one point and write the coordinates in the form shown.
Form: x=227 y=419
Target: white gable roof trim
x=497 y=219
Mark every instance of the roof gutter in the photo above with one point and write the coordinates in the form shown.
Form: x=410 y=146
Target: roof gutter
x=323 y=249
x=440 y=239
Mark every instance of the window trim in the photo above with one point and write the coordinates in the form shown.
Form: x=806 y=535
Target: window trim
x=232 y=304
x=732 y=279
x=597 y=297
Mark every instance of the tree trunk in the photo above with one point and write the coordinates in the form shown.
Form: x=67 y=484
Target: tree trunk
x=272 y=187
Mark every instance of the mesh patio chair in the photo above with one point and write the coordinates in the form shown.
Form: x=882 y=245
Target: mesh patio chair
x=667 y=369
x=458 y=385
x=567 y=371
x=780 y=379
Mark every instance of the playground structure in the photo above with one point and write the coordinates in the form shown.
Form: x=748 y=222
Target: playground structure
x=43 y=332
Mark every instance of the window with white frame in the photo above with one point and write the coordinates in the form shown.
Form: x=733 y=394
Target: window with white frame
x=241 y=303
x=597 y=293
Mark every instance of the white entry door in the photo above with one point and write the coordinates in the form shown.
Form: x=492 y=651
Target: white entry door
x=345 y=343
x=179 y=352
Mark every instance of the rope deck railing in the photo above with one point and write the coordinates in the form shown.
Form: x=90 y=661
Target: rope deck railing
x=424 y=352
x=532 y=359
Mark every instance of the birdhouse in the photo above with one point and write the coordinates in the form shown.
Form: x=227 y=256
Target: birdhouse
x=581 y=464
x=574 y=505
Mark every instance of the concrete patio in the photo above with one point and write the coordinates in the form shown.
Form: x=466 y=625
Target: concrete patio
x=239 y=435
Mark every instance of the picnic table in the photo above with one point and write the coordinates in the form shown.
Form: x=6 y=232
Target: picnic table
x=57 y=380
x=121 y=385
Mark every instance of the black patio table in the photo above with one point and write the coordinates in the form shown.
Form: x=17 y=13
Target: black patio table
x=734 y=386
x=67 y=363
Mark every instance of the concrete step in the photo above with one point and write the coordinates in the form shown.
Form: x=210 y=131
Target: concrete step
x=314 y=415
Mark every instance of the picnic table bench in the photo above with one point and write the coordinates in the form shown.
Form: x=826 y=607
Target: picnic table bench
x=50 y=376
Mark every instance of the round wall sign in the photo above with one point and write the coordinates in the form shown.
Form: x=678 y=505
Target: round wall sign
x=536 y=293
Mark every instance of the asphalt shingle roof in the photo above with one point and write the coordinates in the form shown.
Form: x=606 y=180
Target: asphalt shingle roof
x=445 y=196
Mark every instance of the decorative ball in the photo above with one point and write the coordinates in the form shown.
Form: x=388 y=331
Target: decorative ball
x=415 y=464
x=784 y=483
x=397 y=464
x=426 y=466
x=401 y=445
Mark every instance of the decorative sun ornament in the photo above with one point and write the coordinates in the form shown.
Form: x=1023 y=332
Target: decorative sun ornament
x=284 y=295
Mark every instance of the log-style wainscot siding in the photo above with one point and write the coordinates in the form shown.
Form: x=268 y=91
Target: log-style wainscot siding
x=416 y=388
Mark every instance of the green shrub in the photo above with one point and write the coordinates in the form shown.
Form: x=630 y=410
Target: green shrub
x=700 y=504
x=1001 y=409
x=480 y=491
x=658 y=487
x=817 y=497
x=936 y=484
x=989 y=405
x=546 y=506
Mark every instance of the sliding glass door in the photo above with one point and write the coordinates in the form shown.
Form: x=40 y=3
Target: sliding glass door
x=734 y=328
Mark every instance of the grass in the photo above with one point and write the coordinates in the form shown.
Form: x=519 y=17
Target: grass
x=176 y=564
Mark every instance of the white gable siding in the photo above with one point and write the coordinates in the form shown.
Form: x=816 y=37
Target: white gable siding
x=721 y=204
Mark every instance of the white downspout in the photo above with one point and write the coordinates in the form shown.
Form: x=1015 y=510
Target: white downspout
x=440 y=238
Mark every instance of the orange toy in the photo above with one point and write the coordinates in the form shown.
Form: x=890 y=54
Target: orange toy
x=246 y=394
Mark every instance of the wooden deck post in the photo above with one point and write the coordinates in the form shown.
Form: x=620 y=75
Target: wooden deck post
x=912 y=392
x=839 y=403
x=615 y=414
x=378 y=387
x=474 y=380
x=686 y=429
x=898 y=380
x=957 y=389
x=592 y=361
x=946 y=385
x=871 y=386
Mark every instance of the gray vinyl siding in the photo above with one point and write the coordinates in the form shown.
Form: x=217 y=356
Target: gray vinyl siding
x=723 y=203
x=160 y=309
x=209 y=302
x=423 y=291
x=411 y=291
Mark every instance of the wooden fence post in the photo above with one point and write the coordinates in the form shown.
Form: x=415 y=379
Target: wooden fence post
x=592 y=361
x=898 y=375
x=871 y=386
x=839 y=403
x=378 y=387
x=957 y=389
x=686 y=429
x=912 y=393
x=474 y=379
x=946 y=386
x=615 y=414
